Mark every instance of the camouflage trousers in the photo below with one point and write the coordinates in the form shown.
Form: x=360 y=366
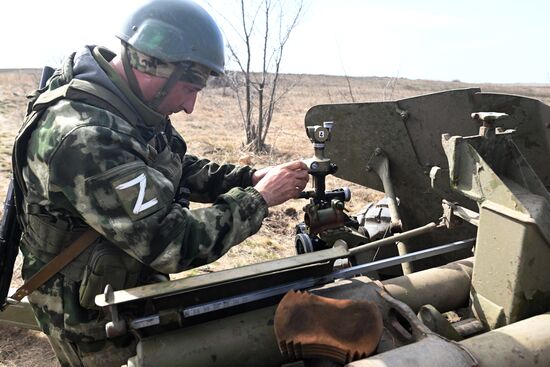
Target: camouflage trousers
x=104 y=354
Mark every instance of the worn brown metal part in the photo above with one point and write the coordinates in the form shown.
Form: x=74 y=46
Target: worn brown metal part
x=320 y=220
x=215 y=320
x=446 y=287
x=310 y=326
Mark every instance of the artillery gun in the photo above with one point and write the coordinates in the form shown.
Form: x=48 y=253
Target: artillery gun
x=449 y=269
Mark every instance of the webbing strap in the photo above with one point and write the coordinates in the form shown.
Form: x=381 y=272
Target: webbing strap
x=172 y=80
x=76 y=90
x=87 y=92
x=55 y=265
x=82 y=90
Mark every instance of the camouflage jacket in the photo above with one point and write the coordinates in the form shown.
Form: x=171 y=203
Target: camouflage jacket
x=87 y=166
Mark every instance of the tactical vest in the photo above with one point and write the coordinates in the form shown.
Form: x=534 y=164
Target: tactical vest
x=103 y=263
x=60 y=86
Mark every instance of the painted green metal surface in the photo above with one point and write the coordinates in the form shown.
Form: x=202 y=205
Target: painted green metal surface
x=510 y=279
x=409 y=132
x=19 y=314
x=223 y=277
x=248 y=339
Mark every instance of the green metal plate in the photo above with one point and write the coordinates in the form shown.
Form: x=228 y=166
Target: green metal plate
x=409 y=131
x=177 y=287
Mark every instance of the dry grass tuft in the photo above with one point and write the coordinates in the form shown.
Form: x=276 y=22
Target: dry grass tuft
x=25 y=348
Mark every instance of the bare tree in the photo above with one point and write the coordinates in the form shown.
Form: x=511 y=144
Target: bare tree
x=265 y=25
x=390 y=86
x=350 y=90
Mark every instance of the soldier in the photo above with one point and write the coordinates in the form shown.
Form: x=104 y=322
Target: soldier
x=99 y=152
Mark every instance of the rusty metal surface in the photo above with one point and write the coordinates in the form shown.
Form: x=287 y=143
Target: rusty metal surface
x=436 y=322
x=446 y=287
x=310 y=326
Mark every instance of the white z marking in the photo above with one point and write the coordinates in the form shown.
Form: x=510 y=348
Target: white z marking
x=140 y=205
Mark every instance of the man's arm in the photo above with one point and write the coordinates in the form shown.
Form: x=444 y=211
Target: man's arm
x=131 y=203
x=207 y=180
x=276 y=184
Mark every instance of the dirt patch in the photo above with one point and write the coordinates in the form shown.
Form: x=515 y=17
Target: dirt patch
x=25 y=348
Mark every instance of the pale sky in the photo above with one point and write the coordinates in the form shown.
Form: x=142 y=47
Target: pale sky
x=491 y=41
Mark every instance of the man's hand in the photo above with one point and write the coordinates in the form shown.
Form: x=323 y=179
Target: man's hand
x=282 y=182
x=259 y=174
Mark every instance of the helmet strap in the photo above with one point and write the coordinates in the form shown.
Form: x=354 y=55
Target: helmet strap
x=129 y=72
x=179 y=70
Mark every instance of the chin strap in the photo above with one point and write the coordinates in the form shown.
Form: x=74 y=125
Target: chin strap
x=192 y=72
x=179 y=70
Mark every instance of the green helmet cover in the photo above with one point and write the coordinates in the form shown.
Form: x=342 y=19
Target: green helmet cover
x=175 y=31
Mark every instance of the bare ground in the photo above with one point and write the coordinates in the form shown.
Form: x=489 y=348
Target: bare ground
x=214 y=131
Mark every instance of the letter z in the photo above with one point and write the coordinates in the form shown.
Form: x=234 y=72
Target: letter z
x=140 y=205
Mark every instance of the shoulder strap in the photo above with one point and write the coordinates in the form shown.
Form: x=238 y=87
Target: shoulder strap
x=89 y=93
x=76 y=90
x=55 y=265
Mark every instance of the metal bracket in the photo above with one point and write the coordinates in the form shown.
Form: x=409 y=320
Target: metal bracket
x=380 y=163
x=117 y=326
x=452 y=212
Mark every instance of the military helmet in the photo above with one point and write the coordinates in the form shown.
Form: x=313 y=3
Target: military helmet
x=175 y=31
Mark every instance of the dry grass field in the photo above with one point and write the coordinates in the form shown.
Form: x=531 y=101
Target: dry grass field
x=214 y=131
